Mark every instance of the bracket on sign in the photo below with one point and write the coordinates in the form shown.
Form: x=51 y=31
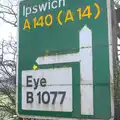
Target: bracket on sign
x=35 y=67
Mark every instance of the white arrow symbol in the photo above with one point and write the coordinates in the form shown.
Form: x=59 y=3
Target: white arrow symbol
x=85 y=42
x=84 y=56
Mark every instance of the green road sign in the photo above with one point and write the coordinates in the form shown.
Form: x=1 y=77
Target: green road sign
x=65 y=59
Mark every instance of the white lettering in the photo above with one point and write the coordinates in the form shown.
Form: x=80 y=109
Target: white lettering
x=54 y=4
x=24 y=10
x=28 y=11
x=49 y=4
x=35 y=10
x=43 y=7
x=61 y=2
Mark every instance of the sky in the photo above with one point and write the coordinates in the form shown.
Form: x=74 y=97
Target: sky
x=6 y=29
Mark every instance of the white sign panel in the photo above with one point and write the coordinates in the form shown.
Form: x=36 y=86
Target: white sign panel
x=47 y=89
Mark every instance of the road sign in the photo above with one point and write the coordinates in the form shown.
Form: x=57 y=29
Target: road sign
x=65 y=59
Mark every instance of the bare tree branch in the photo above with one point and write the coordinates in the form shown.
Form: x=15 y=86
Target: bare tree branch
x=8 y=50
x=8 y=13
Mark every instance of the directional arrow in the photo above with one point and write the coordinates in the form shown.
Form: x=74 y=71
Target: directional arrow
x=67 y=58
x=86 y=71
x=84 y=56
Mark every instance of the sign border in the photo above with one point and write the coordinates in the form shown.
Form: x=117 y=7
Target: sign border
x=109 y=17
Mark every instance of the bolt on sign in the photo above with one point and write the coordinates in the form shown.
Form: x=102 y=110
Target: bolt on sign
x=65 y=59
